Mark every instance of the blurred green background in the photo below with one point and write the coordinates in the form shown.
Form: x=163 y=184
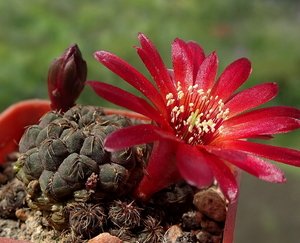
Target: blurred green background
x=33 y=33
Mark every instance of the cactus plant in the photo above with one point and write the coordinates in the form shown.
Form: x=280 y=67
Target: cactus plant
x=63 y=161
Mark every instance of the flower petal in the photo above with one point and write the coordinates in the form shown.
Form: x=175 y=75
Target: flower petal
x=225 y=178
x=275 y=111
x=261 y=169
x=232 y=78
x=207 y=72
x=283 y=155
x=155 y=65
x=225 y=153
x=127 y=100
x=251 y=98
x=130 y=114
x=193 y=166
x=131 y=76
x=135 y=135
x=265 y=137
x=264 y=126
x=160 y=172
x=182 y=64
x=198 y=56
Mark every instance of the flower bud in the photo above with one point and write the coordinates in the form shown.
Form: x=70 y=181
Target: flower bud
x=66 y=78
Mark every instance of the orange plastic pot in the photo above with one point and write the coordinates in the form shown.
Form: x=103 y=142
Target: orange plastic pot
x=15 y=119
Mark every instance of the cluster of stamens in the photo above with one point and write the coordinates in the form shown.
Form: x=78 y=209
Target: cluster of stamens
x=195 y=114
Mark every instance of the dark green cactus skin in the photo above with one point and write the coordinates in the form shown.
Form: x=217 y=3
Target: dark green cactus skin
x=63 y=159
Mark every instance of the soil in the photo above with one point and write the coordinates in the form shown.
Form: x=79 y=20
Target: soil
x=177 y=214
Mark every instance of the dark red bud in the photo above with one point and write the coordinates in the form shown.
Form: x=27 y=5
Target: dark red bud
x=66 y=77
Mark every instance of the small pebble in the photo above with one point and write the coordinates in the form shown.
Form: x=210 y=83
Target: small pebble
x=172 y=234
x=211 y=227
x=212 y=204
x=186 y=237
x=205 y=237
x=105 y=238
x=21 y=214
x=189 y=220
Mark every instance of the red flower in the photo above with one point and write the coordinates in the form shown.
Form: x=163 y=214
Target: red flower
x=199 y=125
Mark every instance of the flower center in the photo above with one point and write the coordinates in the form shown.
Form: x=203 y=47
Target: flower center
x=196 y=116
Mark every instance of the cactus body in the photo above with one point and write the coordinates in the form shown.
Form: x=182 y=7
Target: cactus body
x=63 y=159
